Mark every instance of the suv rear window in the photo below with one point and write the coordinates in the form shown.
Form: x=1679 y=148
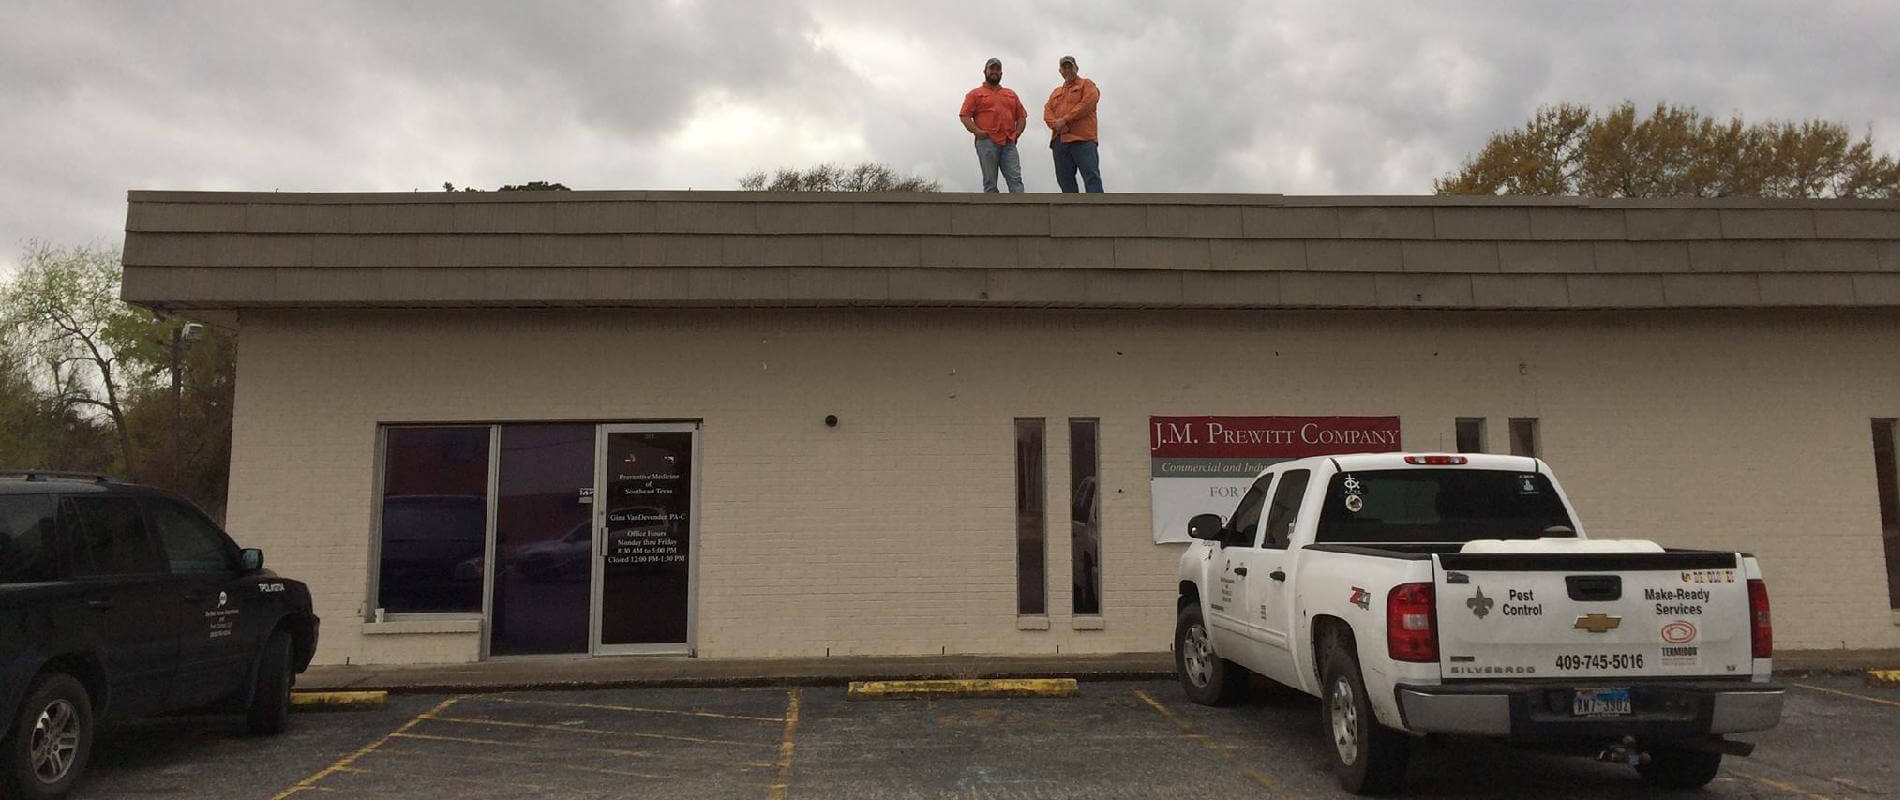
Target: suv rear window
x=1441 y=505
x=27 y=550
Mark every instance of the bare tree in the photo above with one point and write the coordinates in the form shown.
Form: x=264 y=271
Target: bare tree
x=866 y=177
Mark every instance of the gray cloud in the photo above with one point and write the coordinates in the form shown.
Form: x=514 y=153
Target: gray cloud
x=1353 y=97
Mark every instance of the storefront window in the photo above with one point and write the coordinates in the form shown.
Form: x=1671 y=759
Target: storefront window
x=434 y=519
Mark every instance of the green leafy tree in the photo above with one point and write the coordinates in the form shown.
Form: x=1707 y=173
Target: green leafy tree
x=1675 y=151
x=865 y=177
x=63 y=309
x=89 y=382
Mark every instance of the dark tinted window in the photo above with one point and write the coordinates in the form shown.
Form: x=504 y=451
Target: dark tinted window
x=1031 y=510
x=1246 y=520
x=434 y=520
x=1440 y=505
x=1284 y=511
x=191 y=543
x=107 y=536
x=28 y=553
x=1470 y=434
x=1085 y=515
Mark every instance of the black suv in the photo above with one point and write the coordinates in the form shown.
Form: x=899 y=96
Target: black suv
x=119 y=600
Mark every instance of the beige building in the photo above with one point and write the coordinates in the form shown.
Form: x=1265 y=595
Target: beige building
x=750 y=425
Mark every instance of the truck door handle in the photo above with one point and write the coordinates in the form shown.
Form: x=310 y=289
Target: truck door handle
x=195 y=596
x=1241 y=571
x=99 y=604
x=1277 y=575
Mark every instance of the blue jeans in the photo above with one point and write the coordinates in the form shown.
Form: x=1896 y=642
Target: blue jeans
x=990 y=155
x=1072 y=156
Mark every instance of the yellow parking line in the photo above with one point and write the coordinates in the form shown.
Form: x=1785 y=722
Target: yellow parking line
x=1202 y=738
x=565 y=748
x=547 y=791
x=1850 y=694
x=519 y=762
x=1786 y=787
x=343 y=763
x=785 y=747
x=571 y=729
x=630 y=708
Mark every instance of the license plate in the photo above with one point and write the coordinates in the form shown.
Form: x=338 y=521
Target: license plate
x=1600 y=703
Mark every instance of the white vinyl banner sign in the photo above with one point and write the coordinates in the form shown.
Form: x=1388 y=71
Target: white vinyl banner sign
x=1202 y=465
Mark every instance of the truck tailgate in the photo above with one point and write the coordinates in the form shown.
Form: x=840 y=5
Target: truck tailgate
x=1592 y=615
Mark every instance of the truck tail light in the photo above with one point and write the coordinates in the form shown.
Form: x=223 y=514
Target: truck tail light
x=1761 y=631
x=1411 y=623
x=1436 y=460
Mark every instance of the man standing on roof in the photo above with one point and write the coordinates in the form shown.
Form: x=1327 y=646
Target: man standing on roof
x=997 y=118
x=1070 y=114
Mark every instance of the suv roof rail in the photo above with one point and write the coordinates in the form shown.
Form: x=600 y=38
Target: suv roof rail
x=45 y=474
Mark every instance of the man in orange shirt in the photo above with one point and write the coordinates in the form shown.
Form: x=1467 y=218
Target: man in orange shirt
x=1070 y=114
x=996 y=117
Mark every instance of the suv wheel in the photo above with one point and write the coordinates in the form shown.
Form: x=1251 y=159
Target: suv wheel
x=270 y=697
x=51 y=739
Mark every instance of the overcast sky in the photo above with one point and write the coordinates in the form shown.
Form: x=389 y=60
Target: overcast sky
x=1311 y=98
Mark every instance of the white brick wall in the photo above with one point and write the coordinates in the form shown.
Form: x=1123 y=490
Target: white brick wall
x=894 y=532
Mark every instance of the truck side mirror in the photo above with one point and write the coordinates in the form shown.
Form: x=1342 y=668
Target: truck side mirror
x=250 y=559
x=1205 y=526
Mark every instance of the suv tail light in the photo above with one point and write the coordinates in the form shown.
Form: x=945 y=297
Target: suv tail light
x=1761 y=631
x=1411 y=623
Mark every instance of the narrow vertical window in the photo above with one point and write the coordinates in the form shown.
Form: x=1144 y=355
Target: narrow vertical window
x=1031 y=510
x=1524 y=437
x=1470 y=434
x=1085 y=514
x=1886 y=476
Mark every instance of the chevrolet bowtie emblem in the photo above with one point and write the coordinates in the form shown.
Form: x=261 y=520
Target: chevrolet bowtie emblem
x=1597 y=623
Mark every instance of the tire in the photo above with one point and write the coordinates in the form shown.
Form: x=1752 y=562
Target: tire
x=1208 y=679
x=1679 y=768
x=1368 y=757
x=51 y=740
x=270 y=695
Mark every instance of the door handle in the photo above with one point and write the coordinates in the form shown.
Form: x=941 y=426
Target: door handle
x=1278 y=575
x=195 y=596
x=1241 y=571
x=99 y=604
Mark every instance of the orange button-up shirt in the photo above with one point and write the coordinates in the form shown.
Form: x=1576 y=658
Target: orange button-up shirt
x=995 y=111
x=1073 y=103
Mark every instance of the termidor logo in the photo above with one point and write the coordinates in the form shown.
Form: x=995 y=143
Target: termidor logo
x=1678 y=632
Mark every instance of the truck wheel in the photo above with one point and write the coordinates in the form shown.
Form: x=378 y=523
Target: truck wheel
x=1679 y=768
x=270 y=697
x=1369 y=758
x=1209 y=679
x=51 y=740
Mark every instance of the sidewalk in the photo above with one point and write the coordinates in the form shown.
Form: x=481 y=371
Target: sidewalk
x=638 y=671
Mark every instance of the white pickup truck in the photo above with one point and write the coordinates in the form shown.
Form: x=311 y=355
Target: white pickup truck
x=1424 y=594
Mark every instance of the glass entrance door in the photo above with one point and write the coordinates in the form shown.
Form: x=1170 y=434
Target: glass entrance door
x=643 y=587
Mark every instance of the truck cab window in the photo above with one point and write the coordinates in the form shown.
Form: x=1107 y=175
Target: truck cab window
x=1285 y=509
x=1246 y=521
x=1441 y=505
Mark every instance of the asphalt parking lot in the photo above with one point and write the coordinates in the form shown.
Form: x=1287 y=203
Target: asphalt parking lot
x=1840 y=739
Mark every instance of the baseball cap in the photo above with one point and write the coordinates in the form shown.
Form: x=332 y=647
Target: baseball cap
x=997 y=62
x=1069 y=60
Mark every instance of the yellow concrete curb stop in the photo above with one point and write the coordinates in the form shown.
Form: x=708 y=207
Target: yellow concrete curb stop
x=928 y=690
x=1884 y=677
x=318 y=701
